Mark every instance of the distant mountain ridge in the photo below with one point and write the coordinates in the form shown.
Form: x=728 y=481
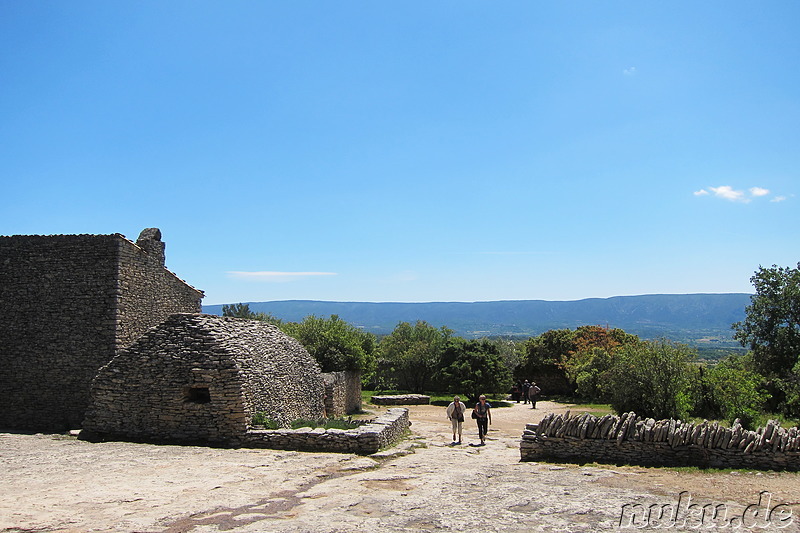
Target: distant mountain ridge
x=683 y=317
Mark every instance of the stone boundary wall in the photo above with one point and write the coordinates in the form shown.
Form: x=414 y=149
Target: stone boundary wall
x=631 y=439
x=342 y=393
x=381 y=432
x=401 y=399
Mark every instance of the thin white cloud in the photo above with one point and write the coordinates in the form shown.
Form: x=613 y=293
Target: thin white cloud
x=275 y=277
x=520 y=252
x=630 y=71
x=726 y=192
x=729 y=193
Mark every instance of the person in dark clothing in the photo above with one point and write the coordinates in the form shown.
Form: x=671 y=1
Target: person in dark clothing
x=525 y=388
x=483 y=416
x=533 y=392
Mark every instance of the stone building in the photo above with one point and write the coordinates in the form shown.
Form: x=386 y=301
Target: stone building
x=342 y=392
x=201 y=378
x=68 y=304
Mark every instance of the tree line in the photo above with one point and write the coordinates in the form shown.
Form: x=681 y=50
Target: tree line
x=656 y=378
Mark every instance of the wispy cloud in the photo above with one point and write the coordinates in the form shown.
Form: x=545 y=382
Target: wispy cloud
x=630 y=71
x=518 y=252
x=275 y=277
x=726 y=192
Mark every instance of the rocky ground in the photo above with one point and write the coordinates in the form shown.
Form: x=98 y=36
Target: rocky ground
x=57 y=483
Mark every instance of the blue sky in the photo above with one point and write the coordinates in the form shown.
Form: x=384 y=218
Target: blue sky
x=411 y=151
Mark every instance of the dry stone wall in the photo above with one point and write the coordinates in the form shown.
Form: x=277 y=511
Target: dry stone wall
x=57 y=328
x=631 y=439
x=381 y=432
x=67 y=304
x=401 y=399
x=201 y=378
x=342 y=393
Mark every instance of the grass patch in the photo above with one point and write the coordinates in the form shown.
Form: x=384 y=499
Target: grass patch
x=264 y=421
x=596 y=409
x=762 y=419
x=327 y=423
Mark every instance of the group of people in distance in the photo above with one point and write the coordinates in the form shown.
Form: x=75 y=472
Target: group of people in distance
x=527 y=391
x=482 y=412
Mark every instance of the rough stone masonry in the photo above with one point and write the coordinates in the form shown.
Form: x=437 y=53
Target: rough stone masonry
x=68 y=304
x=632 y=439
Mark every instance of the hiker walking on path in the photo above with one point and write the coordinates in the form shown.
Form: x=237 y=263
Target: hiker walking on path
x=455 y=413
x=482 y=414
x=533 y=393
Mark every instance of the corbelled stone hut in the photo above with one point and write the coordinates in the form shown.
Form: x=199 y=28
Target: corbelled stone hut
x=201 y=378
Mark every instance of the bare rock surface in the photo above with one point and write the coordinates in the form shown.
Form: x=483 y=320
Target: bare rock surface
x=57 y=483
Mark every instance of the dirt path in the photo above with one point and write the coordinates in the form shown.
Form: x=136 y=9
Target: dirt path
x=57 y=483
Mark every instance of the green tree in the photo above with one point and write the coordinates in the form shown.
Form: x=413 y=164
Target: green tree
x=334 y=343
x=241 y=310
x=474 y=367
x=652 y=378
x=589 y=370
x=771 y=329
x=588 y=365
x=413 y=353
x=512 y=353
x=547 y=351
x=577 y=359
x=733 y=390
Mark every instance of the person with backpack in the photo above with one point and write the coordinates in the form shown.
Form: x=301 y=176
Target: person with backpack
x=526 y=387
x=533 y=392
x=482 y=414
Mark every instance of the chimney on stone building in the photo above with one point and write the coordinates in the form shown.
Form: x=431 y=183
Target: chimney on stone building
x=150 y=241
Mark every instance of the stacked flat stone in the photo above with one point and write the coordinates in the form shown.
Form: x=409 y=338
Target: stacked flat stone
x=342 y=393
x=402 y=399
x=68 y=304
x=381 y=432
x=200 y=379
x=632 y=439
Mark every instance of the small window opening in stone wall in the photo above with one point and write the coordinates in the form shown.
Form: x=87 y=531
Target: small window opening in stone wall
x=196 y=395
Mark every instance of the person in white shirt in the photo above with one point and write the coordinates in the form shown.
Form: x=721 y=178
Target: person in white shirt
x=455 y=413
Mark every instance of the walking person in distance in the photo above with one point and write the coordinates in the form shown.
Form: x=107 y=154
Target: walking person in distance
x=533 y=393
